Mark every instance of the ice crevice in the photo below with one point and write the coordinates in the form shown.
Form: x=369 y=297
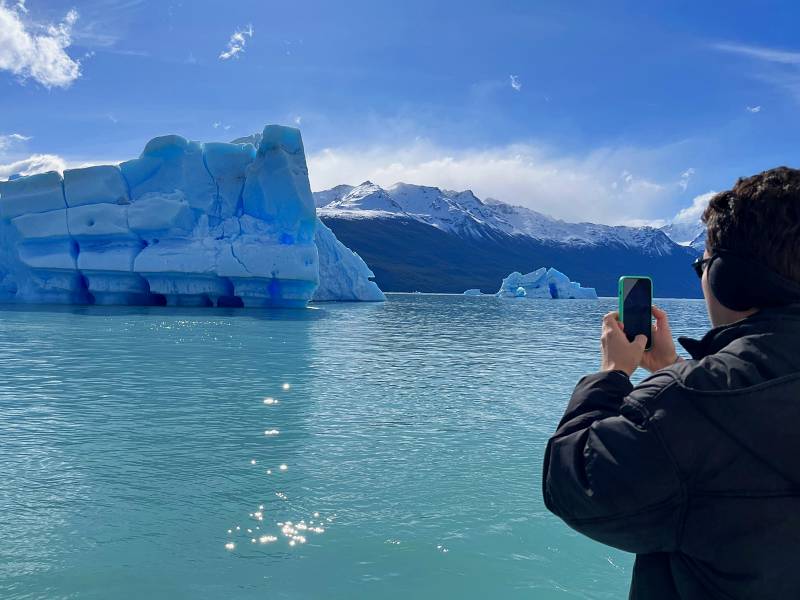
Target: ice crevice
x=237 y=259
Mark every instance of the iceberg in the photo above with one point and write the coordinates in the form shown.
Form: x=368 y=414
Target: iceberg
x=543 y=283
x=185 y=224
x=472 y=292
x=343 y=275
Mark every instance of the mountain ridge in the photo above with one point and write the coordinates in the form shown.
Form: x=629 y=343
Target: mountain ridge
x=464 y=213
x=430 y=239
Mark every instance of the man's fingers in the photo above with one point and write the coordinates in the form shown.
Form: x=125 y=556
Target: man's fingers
x=662 y=321
x=659 y=314
x=611 y=321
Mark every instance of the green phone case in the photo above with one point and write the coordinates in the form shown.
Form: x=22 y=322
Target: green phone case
x=619 y=300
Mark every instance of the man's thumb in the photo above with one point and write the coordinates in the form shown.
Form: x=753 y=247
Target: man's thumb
x=641 y=341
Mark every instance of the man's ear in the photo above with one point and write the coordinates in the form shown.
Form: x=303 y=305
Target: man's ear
x=741 y=284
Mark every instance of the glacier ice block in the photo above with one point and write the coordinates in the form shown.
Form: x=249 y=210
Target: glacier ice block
x=543 y=283
x=343 y=275
x=185 y=224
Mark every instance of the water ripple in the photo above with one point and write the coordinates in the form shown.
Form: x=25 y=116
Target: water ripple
x=385 y=450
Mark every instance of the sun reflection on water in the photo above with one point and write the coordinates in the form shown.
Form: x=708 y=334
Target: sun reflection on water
x=294 y=532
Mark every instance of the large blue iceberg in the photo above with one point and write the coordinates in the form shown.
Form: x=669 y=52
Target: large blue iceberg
x=343 y=275
x=185 y=224
x=543 y=283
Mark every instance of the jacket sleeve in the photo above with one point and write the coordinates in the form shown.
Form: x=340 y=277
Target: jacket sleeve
x=607 y=472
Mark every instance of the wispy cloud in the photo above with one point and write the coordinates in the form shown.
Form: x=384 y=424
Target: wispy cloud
x=786 y=57
x=602 y=186
x=515 y=82
x=776 y=66
x=237 y=43
x=753 y=109
x=683 y=182
x=7 y=140
x=38 y=52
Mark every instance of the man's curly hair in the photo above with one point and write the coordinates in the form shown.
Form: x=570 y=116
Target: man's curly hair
x=759 y=218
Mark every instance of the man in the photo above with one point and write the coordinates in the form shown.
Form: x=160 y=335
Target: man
x=697 y=468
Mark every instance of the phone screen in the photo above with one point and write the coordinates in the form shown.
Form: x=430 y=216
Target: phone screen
x=637 y=298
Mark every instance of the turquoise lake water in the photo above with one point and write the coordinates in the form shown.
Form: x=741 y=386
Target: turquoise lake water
x=412 y=432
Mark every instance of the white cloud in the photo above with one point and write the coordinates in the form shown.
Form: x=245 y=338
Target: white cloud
x=37 y=52
x=691 y=214
x=37 y=163
x=683 y=182
x=777 y=67
x=237 y=43
x=7 y=140
x=297 y=120
x=602 y=186
x=753 y=109
x=761 y=53
x=515 y=82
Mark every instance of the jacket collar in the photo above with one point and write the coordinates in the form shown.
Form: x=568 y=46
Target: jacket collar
x=764 y=320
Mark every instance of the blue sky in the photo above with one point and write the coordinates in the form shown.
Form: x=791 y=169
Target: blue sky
x=618 y=112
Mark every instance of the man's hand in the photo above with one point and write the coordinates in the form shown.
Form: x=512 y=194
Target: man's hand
x=662 y=352
x=618 y=352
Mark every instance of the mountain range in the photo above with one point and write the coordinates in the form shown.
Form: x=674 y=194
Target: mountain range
x=421 y=238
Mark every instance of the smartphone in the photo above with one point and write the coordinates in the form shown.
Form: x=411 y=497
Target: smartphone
x=635 y=306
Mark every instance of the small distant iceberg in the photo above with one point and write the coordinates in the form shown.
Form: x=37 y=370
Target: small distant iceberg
x=472 y=292
x=543 y=283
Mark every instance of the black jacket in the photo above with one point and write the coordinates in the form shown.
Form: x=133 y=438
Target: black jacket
x=696 y=469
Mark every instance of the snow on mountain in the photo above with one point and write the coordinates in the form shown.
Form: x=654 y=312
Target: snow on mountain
x=687 y=228
x=331 y=195
x=525 y=221
x=692 y=235
x=699 y=242
x=464 y=214
x=366 y=196
x=684 y=233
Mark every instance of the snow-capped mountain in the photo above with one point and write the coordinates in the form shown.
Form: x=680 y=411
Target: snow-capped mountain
x=331 y=195
x=691 y=234
x=424 y=238
x=687 y=228
x=464 y=214
x=699 y=241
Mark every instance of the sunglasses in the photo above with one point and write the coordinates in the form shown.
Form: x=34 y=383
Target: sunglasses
x=699 y=265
